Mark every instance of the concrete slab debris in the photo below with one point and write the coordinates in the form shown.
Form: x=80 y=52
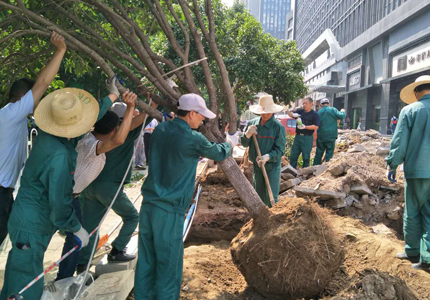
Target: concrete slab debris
x=357 y=148
x=361 y=190
x=320 y=169
x=323 y=195
x=288 y=184
x=111 y=286
x=289 y=169
x=287 y=176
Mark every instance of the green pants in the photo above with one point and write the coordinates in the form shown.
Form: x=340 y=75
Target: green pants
x=416 y=220
x=302 y=144
x=24 y=265
x=326 y=146
x=94 y=202
x=161 y=250
x=260 y=184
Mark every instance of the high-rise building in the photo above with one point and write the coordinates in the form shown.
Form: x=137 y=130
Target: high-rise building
x=271 y=14
x=360 y=54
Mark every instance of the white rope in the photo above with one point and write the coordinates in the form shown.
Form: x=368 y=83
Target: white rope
x=109 y=208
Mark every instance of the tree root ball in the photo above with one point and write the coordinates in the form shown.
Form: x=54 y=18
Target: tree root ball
x=291 y=255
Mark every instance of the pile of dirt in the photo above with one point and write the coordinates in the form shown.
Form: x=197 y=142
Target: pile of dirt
x=375 y=285
x=220 y=214
x=355 y=184
x=293 y=255
x=348 y=138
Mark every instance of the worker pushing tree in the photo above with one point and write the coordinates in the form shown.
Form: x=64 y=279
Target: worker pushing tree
x=271 y=138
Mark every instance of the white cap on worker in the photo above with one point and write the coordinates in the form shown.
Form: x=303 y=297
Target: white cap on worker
x=325 y=101
x=119 y=108
x=195 y=102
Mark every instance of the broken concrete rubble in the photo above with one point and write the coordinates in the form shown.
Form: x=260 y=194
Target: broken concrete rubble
x=289 y=169
x=288 y=184
x=361 y=190
x=323 y=195
x=357 y=148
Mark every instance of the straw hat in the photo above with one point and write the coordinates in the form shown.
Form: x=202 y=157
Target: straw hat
x=67 y=113
x=266 y=106
x=407 y=94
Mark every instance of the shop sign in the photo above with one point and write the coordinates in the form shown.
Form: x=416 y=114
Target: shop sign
x=355 y=64
x=412 y=60
x=354 y=81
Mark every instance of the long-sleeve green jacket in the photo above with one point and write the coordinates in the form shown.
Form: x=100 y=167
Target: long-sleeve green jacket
x=328 y=127
x=411 y=141
x=271 y=139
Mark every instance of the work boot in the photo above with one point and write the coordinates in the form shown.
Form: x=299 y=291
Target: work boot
x=421 y=266
x=412 y=259
x=80 y=269
x=119 y=256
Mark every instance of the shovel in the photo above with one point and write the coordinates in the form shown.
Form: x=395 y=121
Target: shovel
x=263 y=168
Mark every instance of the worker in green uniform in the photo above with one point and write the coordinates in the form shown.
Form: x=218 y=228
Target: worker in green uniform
x=327 y=131
x=97 y=197
x=304 y=139
x=271 y=139
x=44 y=200
x=167 y=191
x=411 y=145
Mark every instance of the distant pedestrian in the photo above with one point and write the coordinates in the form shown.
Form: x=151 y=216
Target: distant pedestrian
x=147 y=133
x=393 y=124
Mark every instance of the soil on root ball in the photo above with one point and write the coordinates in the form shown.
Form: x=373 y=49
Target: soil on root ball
x=293 y=255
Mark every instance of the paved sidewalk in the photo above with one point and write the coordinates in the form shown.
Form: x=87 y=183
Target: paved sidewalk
x=56 y=246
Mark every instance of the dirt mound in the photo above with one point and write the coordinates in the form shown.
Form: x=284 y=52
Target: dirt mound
x=374 y=285
x=293 y=256
x=348 y=138
x=220 y=214
x=355 y=184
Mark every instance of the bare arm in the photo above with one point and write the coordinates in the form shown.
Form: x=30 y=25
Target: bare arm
x=311 y=127
x=138 y=120
x=50 y=71
x=122 y=132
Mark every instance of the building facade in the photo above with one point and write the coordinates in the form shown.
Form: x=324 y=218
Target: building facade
x=271 y=14
x=362 y=53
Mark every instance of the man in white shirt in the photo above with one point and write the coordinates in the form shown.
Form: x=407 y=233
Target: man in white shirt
x=24 y=97
x=91 y=160
x=149 y=129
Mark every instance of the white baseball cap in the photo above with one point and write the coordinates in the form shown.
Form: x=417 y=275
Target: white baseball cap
x=195 y=102
x=325 y=101
x=119 y=108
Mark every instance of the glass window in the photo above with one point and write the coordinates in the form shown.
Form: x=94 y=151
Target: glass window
x=292 y=123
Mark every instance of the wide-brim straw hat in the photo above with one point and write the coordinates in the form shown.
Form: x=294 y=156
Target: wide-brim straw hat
x=266 y=106
x=407 y=94
x=67 y=113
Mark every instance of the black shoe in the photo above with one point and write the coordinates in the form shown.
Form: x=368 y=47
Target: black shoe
x=140 y=167
x=119 y=256
x=421 y=266
x=80 y=269
x=412 y=259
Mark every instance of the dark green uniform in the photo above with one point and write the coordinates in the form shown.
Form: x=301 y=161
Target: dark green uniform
x=304 y=139
x=97 y=197
x=271 y=140
x=173 y=157
x=43 y=205
x=327 y=133
x=411 y=145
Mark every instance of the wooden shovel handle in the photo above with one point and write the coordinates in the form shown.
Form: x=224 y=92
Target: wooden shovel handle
x=263 y=168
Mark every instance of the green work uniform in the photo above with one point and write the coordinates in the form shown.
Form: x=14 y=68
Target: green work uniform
x=411 y=145
x=43 y=205
x=173 y=157
x=304 y=139
x=97 y=197
x=327 y=133
x=271 y=140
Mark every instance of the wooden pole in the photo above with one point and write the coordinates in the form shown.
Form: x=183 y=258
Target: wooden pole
x=266 y=178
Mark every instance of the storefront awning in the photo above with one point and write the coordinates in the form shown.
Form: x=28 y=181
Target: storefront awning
x=325 y=88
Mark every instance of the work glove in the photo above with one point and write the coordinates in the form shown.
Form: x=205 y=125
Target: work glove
x=251 y=131
x=233 y=139
x=82 y=237
x=262 y=160
x=111 y=86
x=296 y=115
x=391 y=175
x=342 y=110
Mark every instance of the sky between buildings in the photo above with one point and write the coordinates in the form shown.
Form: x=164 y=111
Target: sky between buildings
x=229 y=3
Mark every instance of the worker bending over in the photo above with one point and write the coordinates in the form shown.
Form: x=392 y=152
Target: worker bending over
x=167 y=193
x=271 y=139
x=411 y=146
x=327 y=131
